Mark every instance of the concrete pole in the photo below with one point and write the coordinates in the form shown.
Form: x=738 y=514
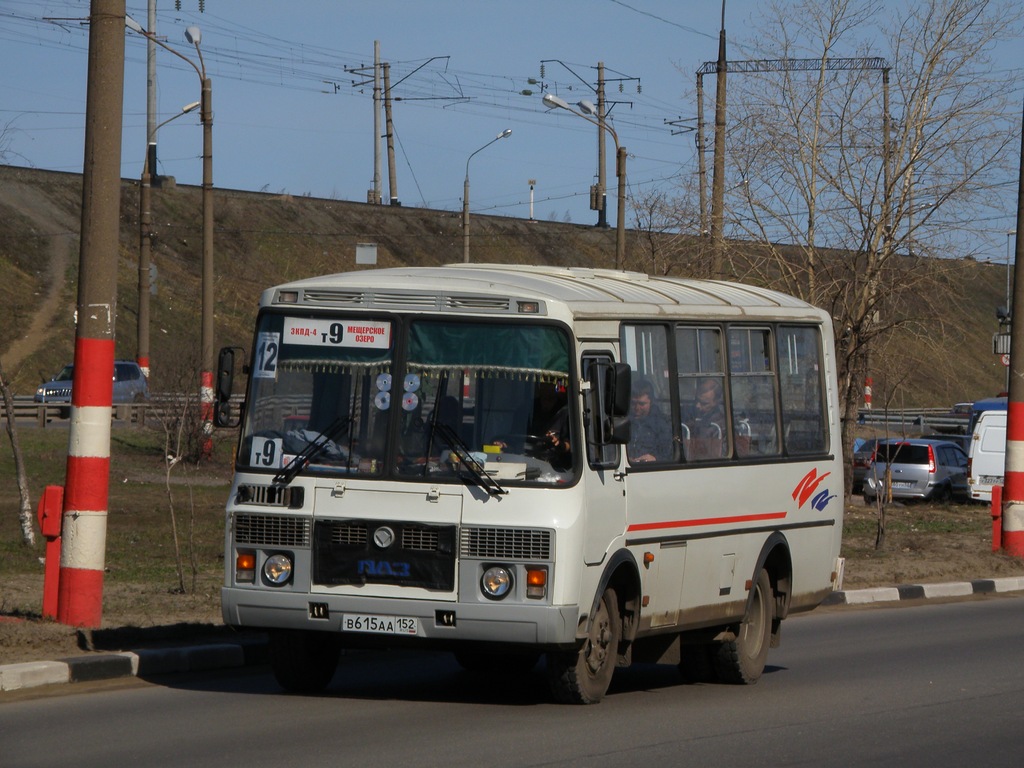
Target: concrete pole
x=718 y=177
x=702 y=171
x=87 y=484
x=389 y=129
x=602 y=177
x=1013 y=491
x=151 y=126
x=206 y=375
x=620 y=216
x=145 y=247
x=377 y=193
x=465 y=217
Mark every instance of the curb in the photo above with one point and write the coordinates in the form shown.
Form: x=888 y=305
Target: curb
x=141 y=663
x=925 y=591
x=253 y=650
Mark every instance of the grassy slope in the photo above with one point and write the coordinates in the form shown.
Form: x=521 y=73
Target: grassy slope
x=263 y=239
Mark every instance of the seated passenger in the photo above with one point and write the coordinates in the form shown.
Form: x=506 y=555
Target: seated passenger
x=650 y=438
x=707 y=428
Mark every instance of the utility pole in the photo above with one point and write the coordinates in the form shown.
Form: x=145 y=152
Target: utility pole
x=602 y=176
x=151 y=126
x=377 y=194
x=1013 y=492
x=87 y=483
x=702 y=171
x=389 y=129
x=599 y=191
x=718 y=179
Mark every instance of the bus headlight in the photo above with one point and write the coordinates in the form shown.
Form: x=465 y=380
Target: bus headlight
x=496 y=582
x=277 y=570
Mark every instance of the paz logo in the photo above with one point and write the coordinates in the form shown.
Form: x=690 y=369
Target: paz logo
x=807 y=486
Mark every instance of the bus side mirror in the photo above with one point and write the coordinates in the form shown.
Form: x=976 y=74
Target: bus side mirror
x=618 y=386
x=225 y=385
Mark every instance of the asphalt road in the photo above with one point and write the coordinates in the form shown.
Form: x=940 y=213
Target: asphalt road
x=919 y=685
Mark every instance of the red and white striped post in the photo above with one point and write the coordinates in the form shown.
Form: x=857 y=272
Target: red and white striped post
x=86 y=489
x=1013 y=487
x=868 y=381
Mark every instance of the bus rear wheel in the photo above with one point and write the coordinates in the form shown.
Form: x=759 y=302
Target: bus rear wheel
x=741 y=661
x=303 y=661
x=583 y=676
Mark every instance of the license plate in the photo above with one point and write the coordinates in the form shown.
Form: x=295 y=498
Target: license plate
x=379 y=625
x=902 y=484
x=988 y=480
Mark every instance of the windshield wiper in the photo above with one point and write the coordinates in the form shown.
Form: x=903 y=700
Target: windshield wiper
x=461 y=451
x=307 y=454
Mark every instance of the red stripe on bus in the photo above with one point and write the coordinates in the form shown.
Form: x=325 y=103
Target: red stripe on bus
x=93 y=382
x=1015 y=421
x=707 y=521
x=87 y=486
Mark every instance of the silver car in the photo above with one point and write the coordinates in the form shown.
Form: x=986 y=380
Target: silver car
x=934 y=470
x=130 y=385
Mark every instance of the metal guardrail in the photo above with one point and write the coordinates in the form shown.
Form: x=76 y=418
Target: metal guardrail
x=924 y=419
x=162 y=406
x=157 y=407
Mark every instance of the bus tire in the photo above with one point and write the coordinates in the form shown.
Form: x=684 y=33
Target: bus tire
x=303 y=661
x=741 y=661
x=583 y=676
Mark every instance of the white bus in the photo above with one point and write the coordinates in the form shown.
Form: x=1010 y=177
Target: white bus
x=450 y=458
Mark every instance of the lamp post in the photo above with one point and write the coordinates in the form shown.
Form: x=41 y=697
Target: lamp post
x=553 y=101
x=465 y=194
x=146 y=242
x=194 y=36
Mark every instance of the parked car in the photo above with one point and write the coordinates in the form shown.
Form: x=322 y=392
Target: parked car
x=964 y=441
x=130 y=385
x=958 y=418
x=919 y=469
x=863 y=449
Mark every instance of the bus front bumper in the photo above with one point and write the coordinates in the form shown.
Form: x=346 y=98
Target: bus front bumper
x=436 y=621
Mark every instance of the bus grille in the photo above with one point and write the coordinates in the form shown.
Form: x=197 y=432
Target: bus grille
x=421 y=539
x=384 y=552
x=269 y=495
x=506 y=543
x=272 y=530
x=347 y=534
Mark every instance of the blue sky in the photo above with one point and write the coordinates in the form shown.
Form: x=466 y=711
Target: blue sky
x=288 y=117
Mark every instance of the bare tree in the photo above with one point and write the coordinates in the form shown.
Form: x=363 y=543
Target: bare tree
x=866 y=170
x=664 y=228
x=28 y=535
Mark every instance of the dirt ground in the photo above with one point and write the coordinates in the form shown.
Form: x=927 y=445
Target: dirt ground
x=924 y=544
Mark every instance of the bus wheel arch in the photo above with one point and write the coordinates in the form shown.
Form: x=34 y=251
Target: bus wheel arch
x=582 y=675
x=776 y=560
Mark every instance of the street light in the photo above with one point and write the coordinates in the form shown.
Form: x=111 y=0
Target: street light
x=194 y=36
x=465 y=195
x=145 y=244
x=586 y=110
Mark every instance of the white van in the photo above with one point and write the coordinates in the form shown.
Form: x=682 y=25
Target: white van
x=987 y=454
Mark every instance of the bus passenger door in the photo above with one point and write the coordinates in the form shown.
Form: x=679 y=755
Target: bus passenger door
x=603 y=476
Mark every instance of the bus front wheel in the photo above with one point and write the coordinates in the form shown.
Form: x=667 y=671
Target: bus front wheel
x=583 y=676
x=742 y=660
x=303 y=661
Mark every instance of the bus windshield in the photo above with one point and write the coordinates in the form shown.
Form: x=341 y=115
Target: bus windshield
x=481 y=401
